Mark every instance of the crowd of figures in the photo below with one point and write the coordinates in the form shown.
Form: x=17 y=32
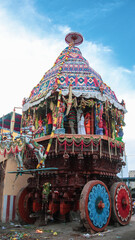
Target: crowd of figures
x=75 y=120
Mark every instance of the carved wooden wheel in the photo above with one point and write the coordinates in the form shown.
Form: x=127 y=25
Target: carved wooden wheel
x=95 y=205
x=121 y=203
x=24 y=206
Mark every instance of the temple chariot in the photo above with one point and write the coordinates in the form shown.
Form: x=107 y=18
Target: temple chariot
x=72 y=129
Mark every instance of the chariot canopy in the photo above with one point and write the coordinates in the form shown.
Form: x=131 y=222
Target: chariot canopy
x=72 y=68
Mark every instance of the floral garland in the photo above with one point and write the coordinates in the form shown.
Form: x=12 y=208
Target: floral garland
x=78 y=140
x=119 y=145
x=81 y=142
x=89 y=103
x=115 y=144
x=12 y=149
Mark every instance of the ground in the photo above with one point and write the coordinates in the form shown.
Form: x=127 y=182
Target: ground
x=65 y=231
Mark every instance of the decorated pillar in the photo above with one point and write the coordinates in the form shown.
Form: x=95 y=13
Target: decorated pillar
x=92 y=120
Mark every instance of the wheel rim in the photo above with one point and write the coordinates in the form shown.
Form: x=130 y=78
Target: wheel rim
x=97 y=205
x=24 y=203
x=122 y=203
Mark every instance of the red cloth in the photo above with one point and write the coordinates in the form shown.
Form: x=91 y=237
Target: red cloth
x=87 y=123
x=49 y=118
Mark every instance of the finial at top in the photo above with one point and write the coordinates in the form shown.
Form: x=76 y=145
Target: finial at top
x=74 y=38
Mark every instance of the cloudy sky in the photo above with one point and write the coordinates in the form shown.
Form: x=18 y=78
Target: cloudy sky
x=32 y=34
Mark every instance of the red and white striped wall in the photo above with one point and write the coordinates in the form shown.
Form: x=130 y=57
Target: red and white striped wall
x=9 y=213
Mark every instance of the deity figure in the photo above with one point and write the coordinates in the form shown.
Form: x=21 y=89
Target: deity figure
x=72 y=120
x=99 y=118
x=50 y=122
x=53 y=109
x=80 y=122
x=87 y=122
x=60 y=122
x=40 y=127
x=100 y=124
x=105 y=127
x=60 y=116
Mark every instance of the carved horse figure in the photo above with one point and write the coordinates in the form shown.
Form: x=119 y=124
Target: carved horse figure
x=37 y=149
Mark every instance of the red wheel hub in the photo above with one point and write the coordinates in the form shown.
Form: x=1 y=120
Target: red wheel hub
x=124 y=203
x=101 y=205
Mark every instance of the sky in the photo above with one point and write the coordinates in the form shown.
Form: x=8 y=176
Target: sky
x=32 y=35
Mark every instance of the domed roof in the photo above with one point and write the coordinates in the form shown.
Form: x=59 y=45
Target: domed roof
x=72 y=68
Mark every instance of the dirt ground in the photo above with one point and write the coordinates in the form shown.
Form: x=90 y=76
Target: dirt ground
x=65 y=231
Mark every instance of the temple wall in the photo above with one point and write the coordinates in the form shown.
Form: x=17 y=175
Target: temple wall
x=9 y=189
